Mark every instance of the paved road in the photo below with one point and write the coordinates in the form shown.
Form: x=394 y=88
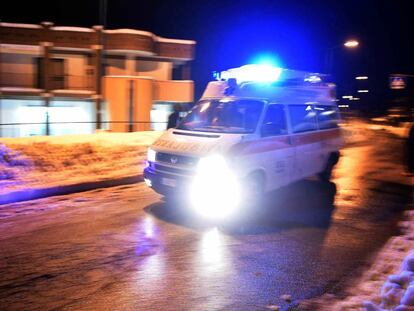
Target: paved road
x=122 y=248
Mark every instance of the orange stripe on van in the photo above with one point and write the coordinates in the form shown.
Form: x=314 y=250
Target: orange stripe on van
x=262 y=145
x=277 y=143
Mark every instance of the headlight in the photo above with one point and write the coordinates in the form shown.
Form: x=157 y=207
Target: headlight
x=151 y=155
x=215 y=190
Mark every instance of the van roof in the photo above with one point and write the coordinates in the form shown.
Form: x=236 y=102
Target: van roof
x=257 y=81
x=287 y=93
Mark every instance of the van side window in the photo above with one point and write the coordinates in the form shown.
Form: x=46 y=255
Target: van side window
x=328 y=117
x=303 y=118
x=274 y=122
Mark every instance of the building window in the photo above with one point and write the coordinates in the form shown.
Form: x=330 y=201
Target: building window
x=56 y=73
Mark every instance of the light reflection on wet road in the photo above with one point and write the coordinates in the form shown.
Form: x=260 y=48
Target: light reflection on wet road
x=122 y=248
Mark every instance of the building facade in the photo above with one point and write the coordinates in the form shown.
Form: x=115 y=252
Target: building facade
x=72 y=80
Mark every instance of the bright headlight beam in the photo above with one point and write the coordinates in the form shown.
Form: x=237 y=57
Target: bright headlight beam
x=215 y=190
x=211 y=164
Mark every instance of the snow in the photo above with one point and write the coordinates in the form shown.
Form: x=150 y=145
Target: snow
x=27 y=26
x=389 y=283
x=19 y=89
x=13 y=48
x=65 y=28
x=132 y=52
x=129 y=31
x=82 y=92
x=148 y=34
x=178 y=41
x=43 y=161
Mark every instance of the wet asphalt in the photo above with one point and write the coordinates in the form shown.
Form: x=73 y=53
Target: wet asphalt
x=124 y=248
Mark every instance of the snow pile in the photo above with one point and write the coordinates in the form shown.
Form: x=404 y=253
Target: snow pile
x=12 y=163
x=387 y=285
x=44 y=161
x=397 y=293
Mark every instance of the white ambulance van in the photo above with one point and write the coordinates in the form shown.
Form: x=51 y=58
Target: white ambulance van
x=254 y=130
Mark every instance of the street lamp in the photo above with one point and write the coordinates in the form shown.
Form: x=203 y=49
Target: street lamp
x=349 y=44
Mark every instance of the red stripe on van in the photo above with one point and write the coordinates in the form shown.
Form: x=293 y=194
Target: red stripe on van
x=331 y=134
x=305 y=138
x=277 y=143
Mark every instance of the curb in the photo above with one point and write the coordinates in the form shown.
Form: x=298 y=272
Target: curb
x=38 y=193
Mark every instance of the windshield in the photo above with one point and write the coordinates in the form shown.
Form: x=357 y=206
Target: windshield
x=226 y=116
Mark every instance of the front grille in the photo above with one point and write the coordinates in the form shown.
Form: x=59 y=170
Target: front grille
x=175 y=159
x=169 y=169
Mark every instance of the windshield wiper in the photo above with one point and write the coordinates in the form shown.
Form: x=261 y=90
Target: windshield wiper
x=222 y=128
x=208 y=128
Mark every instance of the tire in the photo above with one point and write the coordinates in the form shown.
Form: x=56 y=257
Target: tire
x=254 y=186
x=326 y=174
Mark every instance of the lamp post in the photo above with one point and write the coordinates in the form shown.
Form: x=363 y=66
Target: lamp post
x=349 y=44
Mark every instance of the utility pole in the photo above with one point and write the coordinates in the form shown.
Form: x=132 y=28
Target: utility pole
x=100 y=59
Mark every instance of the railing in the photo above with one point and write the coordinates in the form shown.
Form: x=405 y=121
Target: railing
x=63 y=128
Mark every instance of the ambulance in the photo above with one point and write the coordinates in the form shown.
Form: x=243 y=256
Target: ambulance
x=255 y=129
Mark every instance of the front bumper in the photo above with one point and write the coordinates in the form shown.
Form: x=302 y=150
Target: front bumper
x=181 y=183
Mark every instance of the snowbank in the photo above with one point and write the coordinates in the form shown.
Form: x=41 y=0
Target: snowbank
x=41 y=161
x=397 y=292
x=387 y=285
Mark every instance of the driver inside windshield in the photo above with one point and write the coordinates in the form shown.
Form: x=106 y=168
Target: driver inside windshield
x=235 y=116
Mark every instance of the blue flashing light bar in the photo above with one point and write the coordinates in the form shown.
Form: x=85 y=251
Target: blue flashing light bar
x=252 y=73
x=313 y=79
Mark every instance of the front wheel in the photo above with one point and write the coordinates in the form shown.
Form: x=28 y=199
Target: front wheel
x=254 y=189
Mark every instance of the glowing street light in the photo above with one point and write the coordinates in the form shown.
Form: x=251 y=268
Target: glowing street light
x=361 y=78
x=351 y=44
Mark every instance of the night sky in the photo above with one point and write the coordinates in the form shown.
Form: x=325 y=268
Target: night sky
x=233 y=33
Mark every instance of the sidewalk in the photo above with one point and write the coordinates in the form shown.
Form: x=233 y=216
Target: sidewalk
x=36 y=167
